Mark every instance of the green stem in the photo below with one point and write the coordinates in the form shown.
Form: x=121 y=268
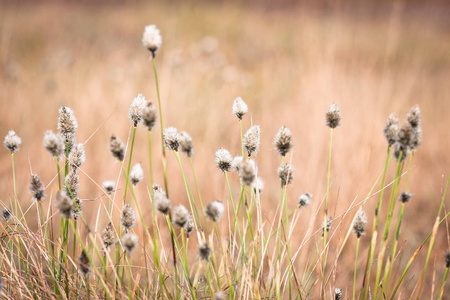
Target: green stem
x=356 y=266
x=441 y=289
x=129 y=164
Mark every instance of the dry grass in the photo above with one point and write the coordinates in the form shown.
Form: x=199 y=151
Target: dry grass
x=288 y=65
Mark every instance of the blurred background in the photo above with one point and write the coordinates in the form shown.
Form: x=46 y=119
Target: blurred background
x=288 y=60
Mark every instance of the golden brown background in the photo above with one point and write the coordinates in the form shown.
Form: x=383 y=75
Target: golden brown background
x=288 y=60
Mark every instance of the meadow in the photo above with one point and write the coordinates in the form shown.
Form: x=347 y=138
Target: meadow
x=289 y=65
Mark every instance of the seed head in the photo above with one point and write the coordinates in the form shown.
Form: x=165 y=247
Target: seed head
x=337 y=294
x=77 y=157
x=333 y=116
x=360 y=223
x=405 y=197
x=72 y=184
x=219 y=296
x=447 y=259
x=286 y=173
x=240 y=108
x=171 y=138
x=108 y=236
x=305 y=199
x=204 y=252
x=117 y=148
x=413 y=117
x=416 y=138
x=67 y=123
x=129 y=241
x=283 y=141
x=258 y=185
x=400 y=149
x=136 y=108
x=149 y=115
x=36 y=187
x=252 y=139
x=108 y=186
x=136 y=174
x=247 y=171
x=391 y=129
x=329 y=225
x=223 y=159
x=77 y=208
x=54 y=143
x=161 y=202
x=180 y=215
x=128 y=218
x=186 y=144
x=236 y=163
x=152 y=39
x=64 y=203
x=214 y=210
x=6 y=214
x=12 y=142
x=404 y=135
x=189 y=226
x=84 y=264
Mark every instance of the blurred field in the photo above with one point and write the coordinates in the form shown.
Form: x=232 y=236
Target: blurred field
x=289 y=64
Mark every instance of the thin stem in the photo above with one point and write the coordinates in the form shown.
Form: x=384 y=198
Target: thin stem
x=129 y=164
x=356 y=266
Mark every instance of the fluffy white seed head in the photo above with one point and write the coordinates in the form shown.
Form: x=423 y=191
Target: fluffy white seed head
x=77 y=156
x=360 y=223
x=63 y=203
x=286 y=173
x=247 y=171
x=136 y=109
x=108 y=186
x=149 y=115
x=186 y=144
x=128 y=218
x=136 y=174
x=214 y=210
x=333 y=116
x=240 y=108
x=258 y=185
x=54 y=143
x=67 y=123
x=283 y=141
x=223 y=159
x=129 y=241
x=117 y=148
x=12 y=142
x=180 y=215
x=162 y=203
x=305 y=199
x=171 y=138
x=36 y=187
x=251 y=140
x=152 y=39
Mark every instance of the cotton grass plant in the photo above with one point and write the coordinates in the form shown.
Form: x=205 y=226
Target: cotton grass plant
x=227 y=249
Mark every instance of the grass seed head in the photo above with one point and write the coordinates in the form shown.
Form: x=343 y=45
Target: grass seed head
x=67 y=123
x=117 y=148
x=129 y=241
x=391 y=129
x=223 y=160
x=214 y=210
x=186 y=144
x=63 y=203
x=416 y=138
x=329 y=225
x=72 y=183
x=414 y=116
x=180 y=215
x=404 y=135
x=149 y=116
x=400 y=149
x=360 y=223
x=236 y=163
x=247 y=171
x=258 y=185
x=136 y=109
x=286 y=173
x=6 y=214
x=77 y=208
x=283 y=140
x=171 y=138
x=54 y=143
x=405 y=197
x=108 y=186
x=77 y=156
x=128 y=217
x=240 y=108
x=447 y=259
x=333 y=116
x=162 y=203
x=12 y=142
x=189 y=226
x=251 y=139
x=204 y=251
x=219 y=296
x=152 y=39
x=108 y=236
x=36 y=187
x=338 y=294
x=304 y=199
x=84 y=264
x=136 y=174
